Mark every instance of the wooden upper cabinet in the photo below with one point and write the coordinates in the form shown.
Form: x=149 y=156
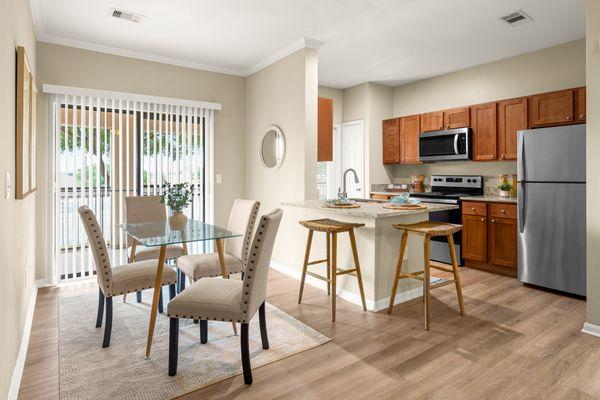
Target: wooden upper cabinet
x=325 y=130
x=457 y=118
x=503 y=242
x=432 y=121
x=512 y=117
x=483 y=122
x=554 y=108
x=580 y=104
x=409 y=139
x=391 y=141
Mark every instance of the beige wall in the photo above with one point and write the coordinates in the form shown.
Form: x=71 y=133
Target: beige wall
x=283 y=94
x=549 y=69
x=593 y=162
x=372 y=103
x=17 y=231
x=69 y=66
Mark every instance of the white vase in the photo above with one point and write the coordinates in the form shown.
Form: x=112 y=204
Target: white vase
x=504 y=193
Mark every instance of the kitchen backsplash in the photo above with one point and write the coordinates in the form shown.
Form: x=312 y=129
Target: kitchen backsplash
x=490 y=185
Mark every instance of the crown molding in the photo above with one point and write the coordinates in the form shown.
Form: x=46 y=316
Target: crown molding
x=305 y=42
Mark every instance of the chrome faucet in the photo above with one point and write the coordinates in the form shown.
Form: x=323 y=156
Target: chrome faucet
x=343 y=193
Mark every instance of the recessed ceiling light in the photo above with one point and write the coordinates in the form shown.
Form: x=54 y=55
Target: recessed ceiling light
x=126 y=15
x=518 y=17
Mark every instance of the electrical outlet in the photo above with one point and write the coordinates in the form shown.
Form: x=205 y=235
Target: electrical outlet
x=26 y=277
x=219 y=178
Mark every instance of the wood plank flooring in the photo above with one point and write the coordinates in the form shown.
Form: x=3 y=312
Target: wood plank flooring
x=515 y=342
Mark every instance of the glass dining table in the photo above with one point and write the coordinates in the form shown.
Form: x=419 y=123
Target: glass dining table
x=164 y=233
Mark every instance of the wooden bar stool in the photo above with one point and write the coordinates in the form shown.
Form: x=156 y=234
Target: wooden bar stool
x=428 y=229
x=331 y=229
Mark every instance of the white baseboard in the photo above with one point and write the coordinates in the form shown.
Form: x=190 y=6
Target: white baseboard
x=347 y=295
x=591 y=329
x=15 y=382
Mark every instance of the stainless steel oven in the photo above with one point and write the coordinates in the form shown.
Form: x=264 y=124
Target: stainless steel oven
x=448 y=145
x=449 y=190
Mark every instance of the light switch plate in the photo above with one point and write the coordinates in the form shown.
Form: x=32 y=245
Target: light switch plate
x=219 y=178
x=7 y=186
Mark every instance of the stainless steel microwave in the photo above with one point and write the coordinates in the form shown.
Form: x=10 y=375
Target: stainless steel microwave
x=448 y=145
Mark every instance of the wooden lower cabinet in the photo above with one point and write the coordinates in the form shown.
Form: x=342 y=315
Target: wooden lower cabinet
x=474 y=239
x=490 y=242
x=503 y=242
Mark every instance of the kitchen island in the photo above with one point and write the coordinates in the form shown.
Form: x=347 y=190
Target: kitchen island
x=378 y=246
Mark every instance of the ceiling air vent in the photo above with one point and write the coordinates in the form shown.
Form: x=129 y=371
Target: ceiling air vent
x=518 y=17
x=126 y=15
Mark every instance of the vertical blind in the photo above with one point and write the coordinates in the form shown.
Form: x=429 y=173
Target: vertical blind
x=106 y=149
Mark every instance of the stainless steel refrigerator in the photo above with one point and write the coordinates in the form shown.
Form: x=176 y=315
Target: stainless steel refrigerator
x=551 y=208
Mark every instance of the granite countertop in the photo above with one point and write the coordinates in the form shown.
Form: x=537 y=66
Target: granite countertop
x=368 y=209
x=495 y=199
x=389 y=193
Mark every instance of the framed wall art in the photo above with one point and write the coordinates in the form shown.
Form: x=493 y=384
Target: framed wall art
x=26 y=128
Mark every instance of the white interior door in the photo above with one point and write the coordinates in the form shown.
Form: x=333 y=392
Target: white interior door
x=353 y=156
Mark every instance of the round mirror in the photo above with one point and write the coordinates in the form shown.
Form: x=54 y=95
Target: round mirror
x=273 y=147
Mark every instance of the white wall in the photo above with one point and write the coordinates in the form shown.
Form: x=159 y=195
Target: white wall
x=593 y=162
x=545 y=70
x=17 y=230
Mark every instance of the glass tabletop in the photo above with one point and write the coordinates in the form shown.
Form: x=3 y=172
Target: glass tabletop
x=161 y=233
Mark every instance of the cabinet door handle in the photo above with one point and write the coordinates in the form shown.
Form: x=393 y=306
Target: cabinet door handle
x=568 y=118
x=503 y=211
x=582 y=116
x=493 y=221
x=482 y=219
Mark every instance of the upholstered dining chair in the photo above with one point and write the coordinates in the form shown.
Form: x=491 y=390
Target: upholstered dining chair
x=241 y=220
x=148 y=209
x=229 y=300
x=119 y=280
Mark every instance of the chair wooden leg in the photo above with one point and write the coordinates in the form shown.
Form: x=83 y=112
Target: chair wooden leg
x=138 y=296
x=172 y=291
x=203 y=331
x=398 y=271
x=100 y=308
x=357 y=266
x=262 y=319
x=107 y=322
x=246 y=354
x=333 y=274
x=173 y=345
x=328 y=263
x=305 y=266
x=461 y=305
x=426 y=280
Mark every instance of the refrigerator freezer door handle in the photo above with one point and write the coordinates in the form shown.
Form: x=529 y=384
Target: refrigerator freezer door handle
x=522 y=157
x=522 y=200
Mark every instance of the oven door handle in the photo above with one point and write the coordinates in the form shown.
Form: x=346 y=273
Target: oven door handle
x=456 y=143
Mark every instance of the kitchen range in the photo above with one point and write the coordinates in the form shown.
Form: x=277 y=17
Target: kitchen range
x=446 y=189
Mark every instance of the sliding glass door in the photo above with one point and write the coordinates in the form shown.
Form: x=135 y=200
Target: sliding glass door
x=108 y=149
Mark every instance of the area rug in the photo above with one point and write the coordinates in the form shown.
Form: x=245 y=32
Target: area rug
x=87 y=371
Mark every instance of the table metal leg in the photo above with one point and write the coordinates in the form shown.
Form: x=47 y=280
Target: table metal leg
x=224 y=272
x=155 y=296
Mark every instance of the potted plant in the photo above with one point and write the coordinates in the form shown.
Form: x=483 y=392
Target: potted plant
x=177 y=196
x=504 y=189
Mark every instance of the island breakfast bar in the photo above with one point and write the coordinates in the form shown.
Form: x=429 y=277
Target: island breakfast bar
x=378 y=244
